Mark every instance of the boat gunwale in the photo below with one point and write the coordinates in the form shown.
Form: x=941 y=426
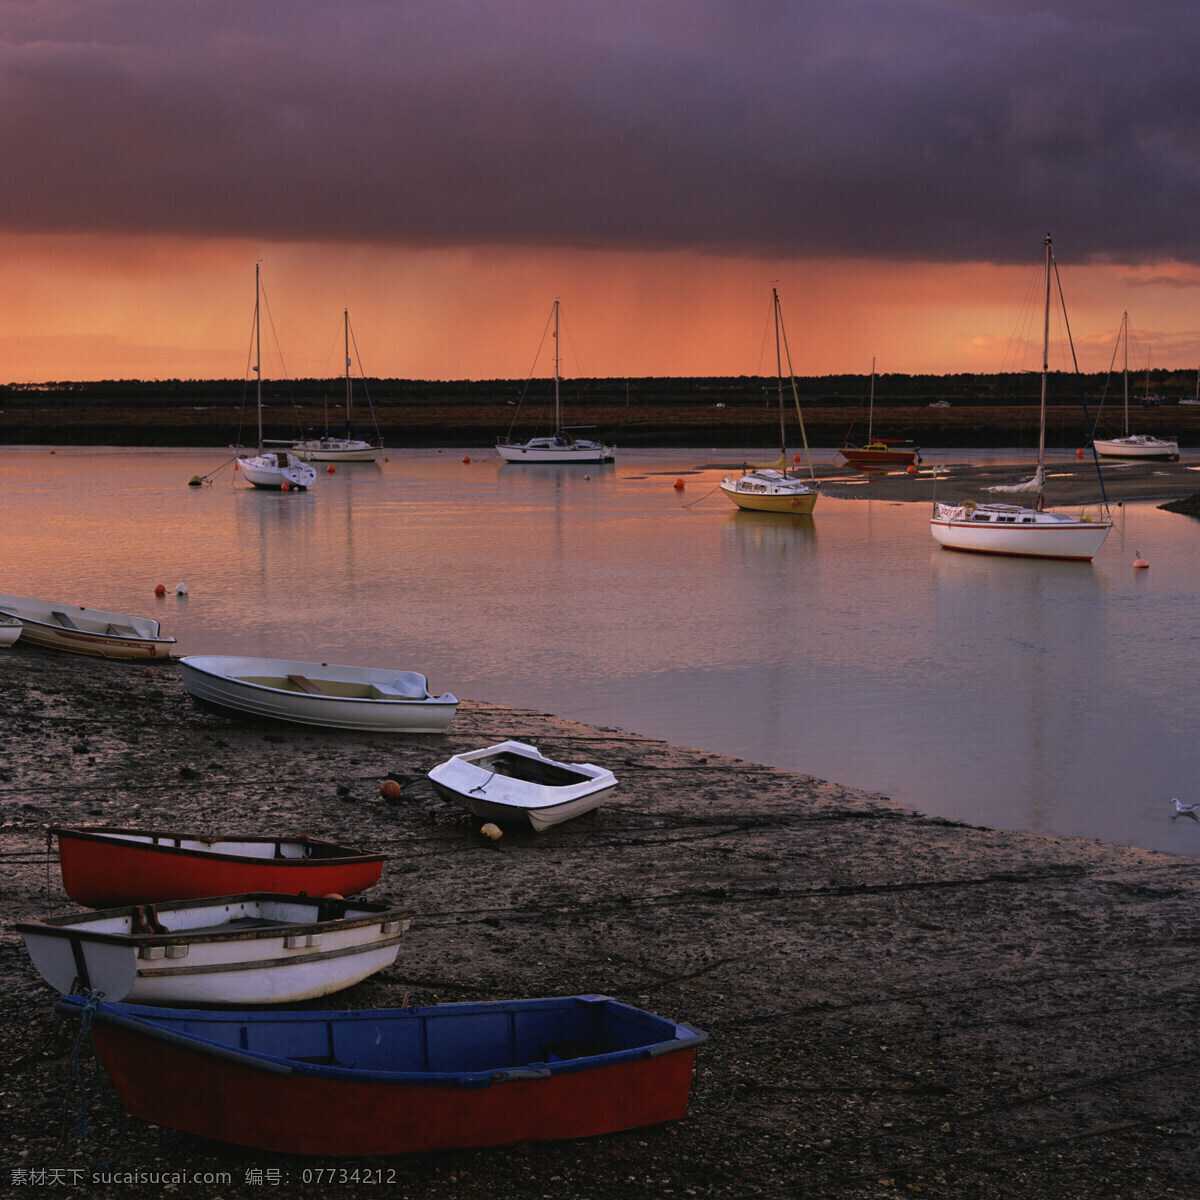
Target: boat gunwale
x=147 y=1021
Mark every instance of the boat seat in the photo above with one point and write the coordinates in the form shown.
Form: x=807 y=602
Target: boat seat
x=64 y=620
x=121 y=630
x=408 y=684
x=305 y=684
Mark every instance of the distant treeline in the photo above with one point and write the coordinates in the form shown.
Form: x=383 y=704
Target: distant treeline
x=830 y=390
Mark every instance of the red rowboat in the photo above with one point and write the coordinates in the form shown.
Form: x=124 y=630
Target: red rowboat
x=104 y=867
x=393 y=1081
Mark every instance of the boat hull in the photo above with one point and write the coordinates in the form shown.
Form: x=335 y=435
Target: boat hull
x=336 y=450
x=10 y=630
x=254 y=949
x=576 y=452
x=105 y=867
x=346 y=697
x=500 y=1079
x=91 y=631
x=1137 y=446
x=1065 y=539
x=513 y=783
x=268 y=472
x=868 y=459
x=801 y=503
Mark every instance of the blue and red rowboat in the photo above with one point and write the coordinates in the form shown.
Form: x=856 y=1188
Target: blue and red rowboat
x=105 y=867
x=395 y=1081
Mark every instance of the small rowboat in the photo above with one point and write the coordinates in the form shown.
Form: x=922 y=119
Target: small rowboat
x=378 y=699
x=86 y=630
x=514 y=782
x=102 y=866
x=10 y=629
x=251 y=949
x=395 y=1081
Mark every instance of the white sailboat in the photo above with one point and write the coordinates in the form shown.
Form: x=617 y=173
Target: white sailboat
x=335 y=448
x=772 y=489
x=278 y=469
x=1012 y=529
x=561 y=446
x=1134 y=445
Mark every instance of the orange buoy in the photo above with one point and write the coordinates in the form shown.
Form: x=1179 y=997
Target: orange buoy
x=1139 y=562
x=466 y=458
x=679 y=485
x=795 y=458
x=389 y=789
x=331 y=469
x=237 y=466
x=148 y=672
x=912 y=468
x=285 y=486
x=1079 y=452
x=53 y=451
x=160 y=589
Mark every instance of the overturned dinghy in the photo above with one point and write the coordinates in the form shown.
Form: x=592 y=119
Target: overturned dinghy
x=514 y=782
x=396 y=1081
x=378 y=699
x=252 y=949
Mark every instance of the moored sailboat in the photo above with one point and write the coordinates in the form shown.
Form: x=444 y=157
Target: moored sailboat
x=772 y=489
x=560 y=446
x=1134 y=445
x=1013 y=529
x=878 y=453
x=278 y=469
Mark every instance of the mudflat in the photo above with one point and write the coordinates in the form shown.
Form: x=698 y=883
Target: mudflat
x=897 y=1005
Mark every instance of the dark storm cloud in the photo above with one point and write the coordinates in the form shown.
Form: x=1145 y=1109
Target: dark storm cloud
x=888 y=127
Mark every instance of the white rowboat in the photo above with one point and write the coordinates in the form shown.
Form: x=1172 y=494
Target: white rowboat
x=83 y=630
x=256 y=948
x=378 y=699
x=514 y=782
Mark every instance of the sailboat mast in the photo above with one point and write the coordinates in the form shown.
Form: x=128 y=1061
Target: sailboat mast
x=1125 y=327
x=258 y=354
x=779 y=376
x=1041 y=463
x=346 y=314
x=557 y=411
x=871 y=404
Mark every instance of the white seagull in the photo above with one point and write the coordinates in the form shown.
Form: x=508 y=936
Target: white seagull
x=1185 y=810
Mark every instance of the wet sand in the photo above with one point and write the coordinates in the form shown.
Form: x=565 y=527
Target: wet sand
x=898 y=1005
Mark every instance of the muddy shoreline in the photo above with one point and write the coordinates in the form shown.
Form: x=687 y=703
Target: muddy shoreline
x=897 y=1005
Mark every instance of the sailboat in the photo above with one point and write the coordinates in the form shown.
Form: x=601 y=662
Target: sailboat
x=772 y=489
x=1134 y=445
x=270 y=468
x=1009 y=528
x=335 y=448
x=559 y=447
x=879 y=452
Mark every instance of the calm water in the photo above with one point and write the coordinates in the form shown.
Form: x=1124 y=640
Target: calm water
x=1052 y=697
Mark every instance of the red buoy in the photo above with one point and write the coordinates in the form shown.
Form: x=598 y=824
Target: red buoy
x=679 y=485
x=1139 y=562
x=160 y=589
x=389 y=789
x=331 y=469
x=285 y=486
x=912 y=468
x=466 y=458
x=1079 y=453
x=795 y=458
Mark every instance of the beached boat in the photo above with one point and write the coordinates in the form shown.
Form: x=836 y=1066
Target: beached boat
x=342 y=447
x=250 y=949
x=1013 y=529
x=560 y=446
x=277 y=469
x=514 y=782
x=103 y=866
x=771 y=488
x=379 y=699
x=395 y=1081
x=877 y=454
x=10 y=629
x=1134 y=445
x=83 y=630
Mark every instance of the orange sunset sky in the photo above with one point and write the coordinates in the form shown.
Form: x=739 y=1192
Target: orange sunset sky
x=445 y=172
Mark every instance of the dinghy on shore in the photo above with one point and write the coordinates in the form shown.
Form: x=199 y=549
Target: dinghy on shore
x=252 y=949
x=83 y=630
x=514 y=782
x=378 y=699
x=103 y=866
x=395 y=1081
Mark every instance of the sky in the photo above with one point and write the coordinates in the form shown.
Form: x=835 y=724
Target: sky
x=447 y=169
